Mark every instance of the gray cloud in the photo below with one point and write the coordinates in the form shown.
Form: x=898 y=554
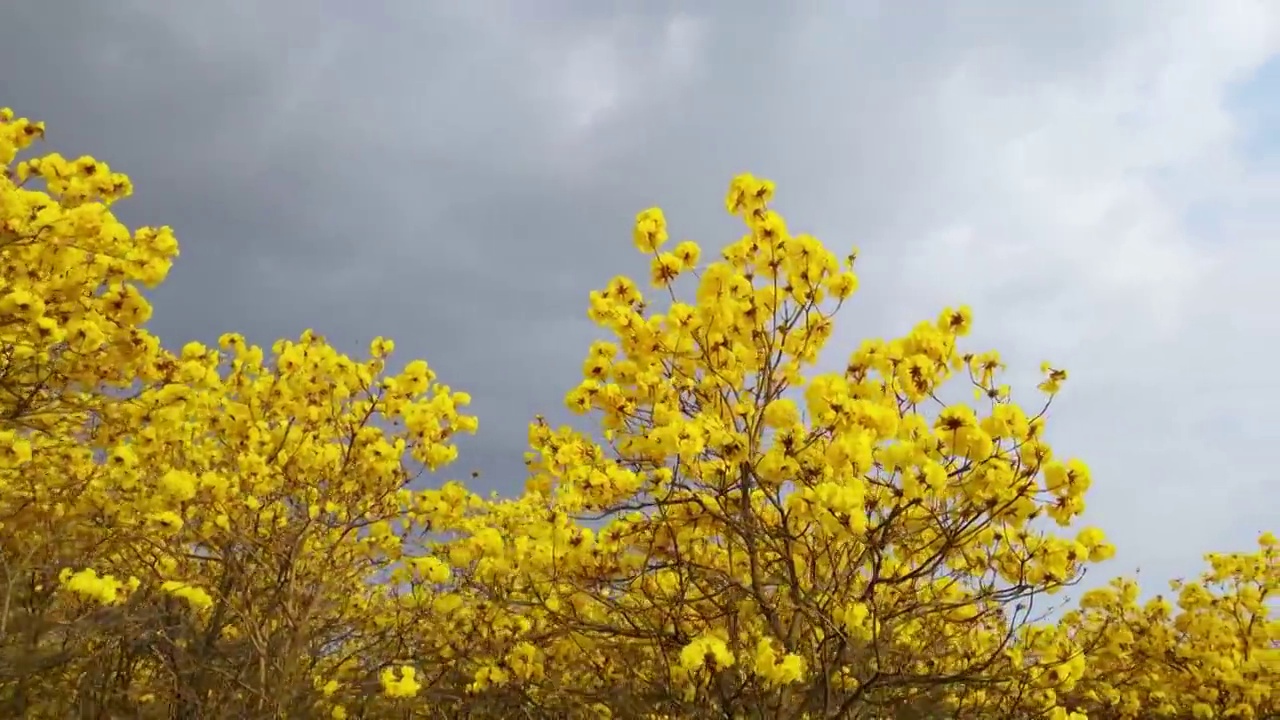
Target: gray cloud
x=458 y=177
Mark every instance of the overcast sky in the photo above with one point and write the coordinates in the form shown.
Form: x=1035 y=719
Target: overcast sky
x=1098 y=179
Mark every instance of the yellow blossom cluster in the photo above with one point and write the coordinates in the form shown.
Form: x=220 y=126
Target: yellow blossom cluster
x=238 y=531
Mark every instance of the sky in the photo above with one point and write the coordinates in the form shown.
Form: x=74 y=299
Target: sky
x=1097 y=179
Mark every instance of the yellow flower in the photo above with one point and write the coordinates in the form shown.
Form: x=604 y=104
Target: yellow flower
x=687 y=252
x=666 y=268
x=105 y=589
x=194 y=596
x=650 y=230
x=781 y=413
x=406 y=685
x=957 y=321
x=706 y=651
x=179 y=485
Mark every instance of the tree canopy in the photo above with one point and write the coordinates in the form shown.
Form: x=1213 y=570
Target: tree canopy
x=243 y=532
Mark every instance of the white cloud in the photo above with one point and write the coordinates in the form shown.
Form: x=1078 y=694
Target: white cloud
x=682 y=47
x=589 y=80
x=1082 y=248
x=613 y=67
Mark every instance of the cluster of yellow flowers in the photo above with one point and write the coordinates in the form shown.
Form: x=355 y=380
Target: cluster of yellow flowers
x=237 y=531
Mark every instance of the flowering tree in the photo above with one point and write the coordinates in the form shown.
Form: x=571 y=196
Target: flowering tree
x=237 y=532
x=779 y=543
x=1213 y=651
x=203 y=531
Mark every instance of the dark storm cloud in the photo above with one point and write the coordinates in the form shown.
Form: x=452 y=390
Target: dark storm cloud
x=377 y=173
x=412 y=171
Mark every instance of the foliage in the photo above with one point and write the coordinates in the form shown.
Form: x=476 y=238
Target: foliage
x=237 y=532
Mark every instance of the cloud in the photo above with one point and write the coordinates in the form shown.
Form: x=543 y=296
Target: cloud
x=1098 y=179
x=1087 y=251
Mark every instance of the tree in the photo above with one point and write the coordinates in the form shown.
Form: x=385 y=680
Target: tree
x=210 y=538
x=238 y=532
x=73 y=345
x=1213 y=651
x=861 y=550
